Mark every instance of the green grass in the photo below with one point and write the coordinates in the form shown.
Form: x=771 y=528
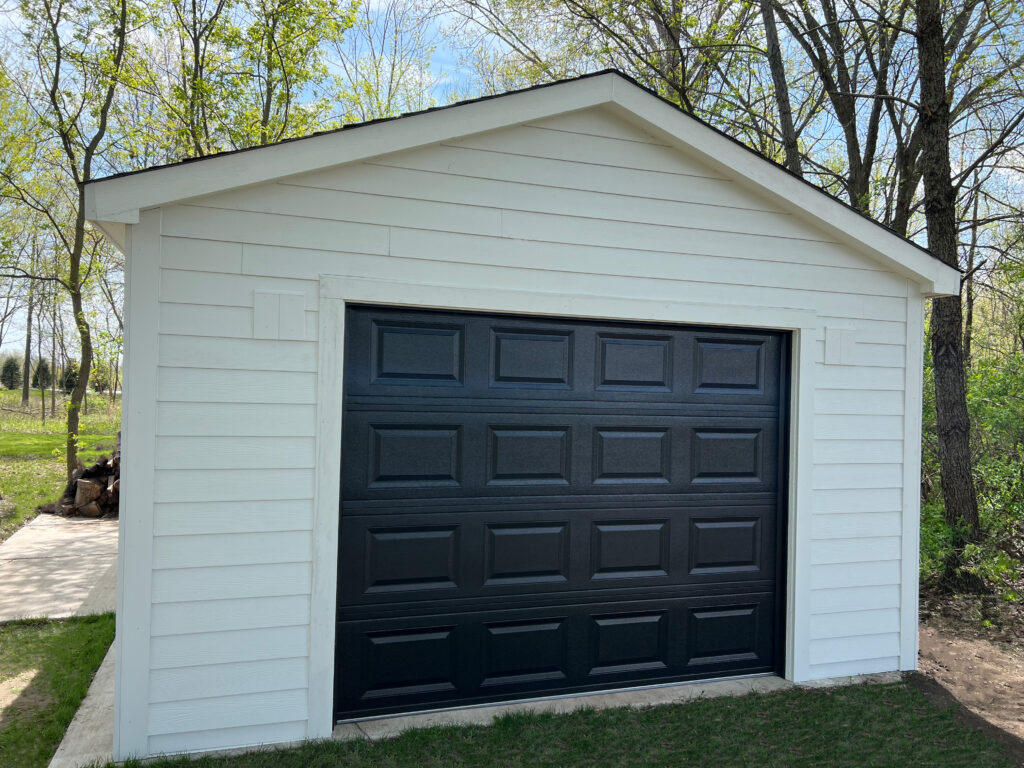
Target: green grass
x=59 y=658
x=32 y=451
x=854 y=727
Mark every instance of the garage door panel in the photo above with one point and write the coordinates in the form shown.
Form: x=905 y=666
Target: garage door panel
x=393 y=353
x=428 y=455
x=395 y=558
x=535 y=506
x=388 y=665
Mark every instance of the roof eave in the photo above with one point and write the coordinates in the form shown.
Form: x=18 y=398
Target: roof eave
x=119 y=199
x=788 y=191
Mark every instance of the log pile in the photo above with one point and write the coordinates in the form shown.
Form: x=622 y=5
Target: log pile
x=92 y=492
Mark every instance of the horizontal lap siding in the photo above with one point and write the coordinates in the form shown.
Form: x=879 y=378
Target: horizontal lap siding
x=584 y=201
x=232 y=553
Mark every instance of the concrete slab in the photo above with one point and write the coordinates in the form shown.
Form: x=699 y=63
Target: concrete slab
x=56 y=567
x=835 y=682
x=641 y=698
x=389 y=727
x=89 y=739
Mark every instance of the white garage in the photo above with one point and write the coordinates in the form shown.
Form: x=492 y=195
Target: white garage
x=549 y=393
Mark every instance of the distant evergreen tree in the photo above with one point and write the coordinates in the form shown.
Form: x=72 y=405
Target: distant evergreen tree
x=10 y=374
x=42 y=376
x=70 y=377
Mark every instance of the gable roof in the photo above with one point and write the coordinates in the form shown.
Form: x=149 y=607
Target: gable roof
x=115 y=201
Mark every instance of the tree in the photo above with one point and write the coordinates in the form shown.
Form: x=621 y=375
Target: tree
x=10 y=374
x=947 y=348
x=198 y=28
x=687 y=53
x=383 y=62
x=777 y=67
x=42 y=376
x=78 y=54
x=69 y=377
x=279 y=52
x=100 y=379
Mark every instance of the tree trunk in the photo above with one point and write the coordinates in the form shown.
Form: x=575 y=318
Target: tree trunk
x=952 y=420
x=53 y=356
x=26 y=368
x=968 y=320
x=39 y=355
x=778 y=70
x=969 y=293
x=84 y=336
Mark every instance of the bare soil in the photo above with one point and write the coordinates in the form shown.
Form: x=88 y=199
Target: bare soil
x=13 y=688
x=983 y=676
x=974 y=647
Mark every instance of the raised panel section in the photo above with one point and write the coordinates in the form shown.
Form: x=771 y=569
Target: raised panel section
x=413 y=454
x=632 y=455
x=726 y=456
x=537 y=359
x=729 y=366
x=634 y=362
x=629 y=643
x=399 y=560
x=412 y=662
x=630 y=549
x=525 y=554
x=723 y=635
x=528 y=456
x=416 y=353
x=525 y=652
x=725 y=545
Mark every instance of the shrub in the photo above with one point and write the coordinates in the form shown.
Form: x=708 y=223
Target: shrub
x=99 y=379
x=10 y=374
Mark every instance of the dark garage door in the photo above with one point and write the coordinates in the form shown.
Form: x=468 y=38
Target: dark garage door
x=540 y=506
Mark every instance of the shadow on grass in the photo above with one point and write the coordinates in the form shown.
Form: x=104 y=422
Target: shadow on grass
x=66 y=654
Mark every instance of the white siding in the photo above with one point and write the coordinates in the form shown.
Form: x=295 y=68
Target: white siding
x=585 y=202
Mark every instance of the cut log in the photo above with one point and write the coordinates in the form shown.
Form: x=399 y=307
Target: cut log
x=92 y=509
x=88 y=491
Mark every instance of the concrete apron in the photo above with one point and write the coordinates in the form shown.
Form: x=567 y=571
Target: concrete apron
x=90 y=738
x=380 y=728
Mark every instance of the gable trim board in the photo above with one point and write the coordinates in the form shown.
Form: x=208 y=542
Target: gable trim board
x=118 y=200
x=235 y=335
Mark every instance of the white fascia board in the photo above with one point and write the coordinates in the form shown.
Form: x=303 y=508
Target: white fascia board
x=848 y=226
x=121 y=198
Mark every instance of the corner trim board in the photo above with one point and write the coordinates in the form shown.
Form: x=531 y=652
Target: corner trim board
x=135 y=519
x=910 y=543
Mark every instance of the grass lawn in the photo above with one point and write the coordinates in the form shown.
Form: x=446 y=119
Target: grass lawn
x=859 y=726
x=32 y=452
x=45 y=671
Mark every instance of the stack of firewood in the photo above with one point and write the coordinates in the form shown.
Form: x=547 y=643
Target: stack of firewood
x=92 y=492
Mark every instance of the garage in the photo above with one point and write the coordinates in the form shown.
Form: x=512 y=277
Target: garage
x=537 y=506
x=534 y=396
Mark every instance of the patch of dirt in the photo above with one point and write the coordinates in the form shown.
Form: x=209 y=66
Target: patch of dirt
x=976 y=617
x=985 y=676
x=14 y=688
x=941 y=698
